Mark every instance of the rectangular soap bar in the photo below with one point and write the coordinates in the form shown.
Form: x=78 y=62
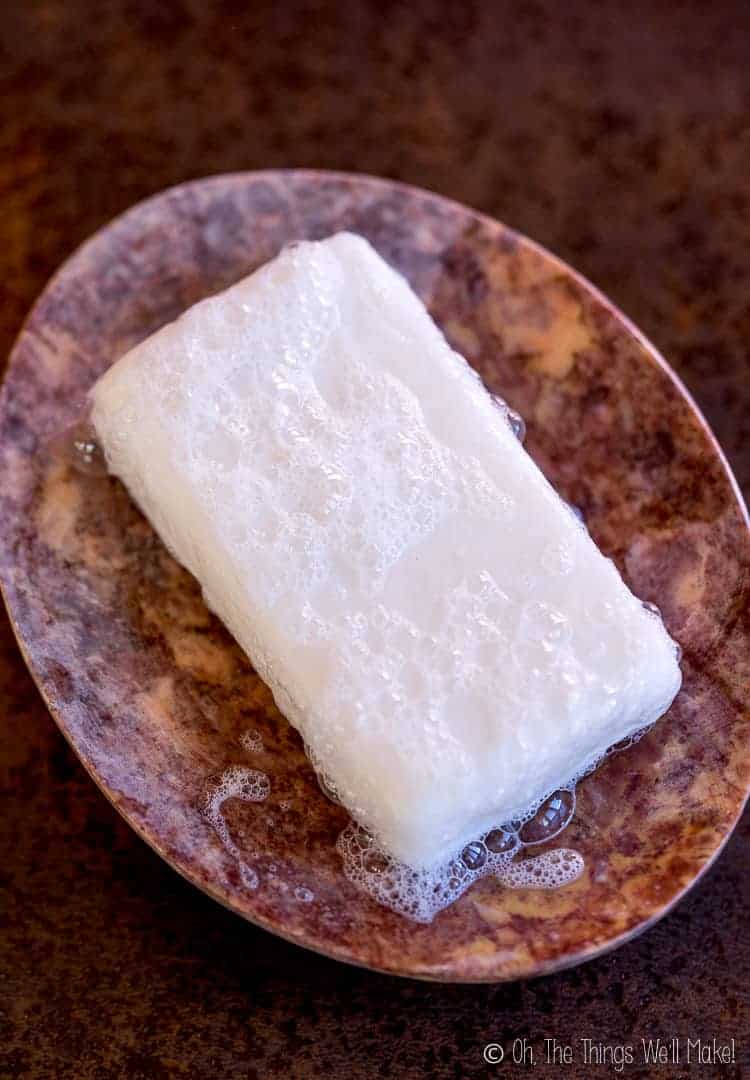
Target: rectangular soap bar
x=428 y=613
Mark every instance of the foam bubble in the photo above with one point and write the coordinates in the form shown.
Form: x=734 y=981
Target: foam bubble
x=475 y=855
x=554 y=815
x=251 y=741
x=515 y=421
x=80 y=447
x=577 y=513
x=236 y=782
x=550 y=870
x=249 y=876
x=517 y=424
x=325 y=783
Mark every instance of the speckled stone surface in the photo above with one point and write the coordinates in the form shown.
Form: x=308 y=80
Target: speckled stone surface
x=630 y=132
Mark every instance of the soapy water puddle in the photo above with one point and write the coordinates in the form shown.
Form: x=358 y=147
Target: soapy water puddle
x=420 y=894
x=416 y=894
x=250 y=786
x=236 y=782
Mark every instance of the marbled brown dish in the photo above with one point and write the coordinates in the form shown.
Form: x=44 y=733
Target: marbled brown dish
x=154 y=695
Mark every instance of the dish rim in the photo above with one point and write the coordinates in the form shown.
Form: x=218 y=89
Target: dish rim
x=151 y=836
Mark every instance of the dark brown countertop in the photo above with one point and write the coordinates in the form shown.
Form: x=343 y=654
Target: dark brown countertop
x=616 y=134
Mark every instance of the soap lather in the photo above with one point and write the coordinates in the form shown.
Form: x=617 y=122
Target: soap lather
x=427 y=611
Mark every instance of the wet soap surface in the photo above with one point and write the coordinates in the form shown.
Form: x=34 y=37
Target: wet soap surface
x=361 y=515
x=137 y=662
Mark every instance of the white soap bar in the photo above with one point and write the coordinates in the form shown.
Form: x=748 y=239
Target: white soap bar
x=427 y=612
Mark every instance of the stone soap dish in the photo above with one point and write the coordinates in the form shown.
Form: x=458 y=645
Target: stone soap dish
x=159 y=702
